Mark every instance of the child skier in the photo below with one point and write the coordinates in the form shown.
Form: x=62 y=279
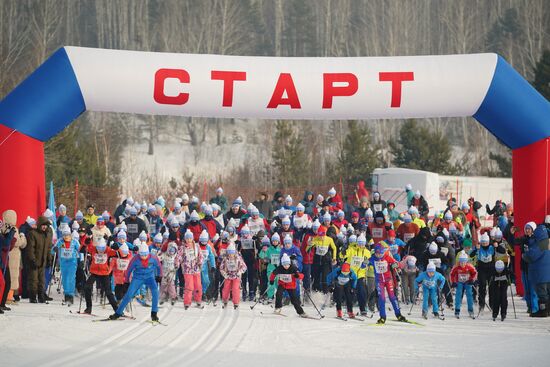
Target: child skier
x=357 y=255
x=287 y=275
x=144 y=269
x=169 y=269
x=463 y=276
x=271 y=257
x=209 y=263
x=68 y=250
x=498 y=290
x=432 y=283
x=119 y=265
x=190 y=258
x=383 y=264
x=345 y=283
x=408 y=275
x=232 y=268
x=99 y=271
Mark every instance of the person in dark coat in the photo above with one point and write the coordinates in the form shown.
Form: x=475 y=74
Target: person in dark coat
x=264 y=206
x=39 y=241
x=418 y=244
x=308 y=202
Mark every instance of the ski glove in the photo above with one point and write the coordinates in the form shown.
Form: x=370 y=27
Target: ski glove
x=453 y=285
x=158 y=279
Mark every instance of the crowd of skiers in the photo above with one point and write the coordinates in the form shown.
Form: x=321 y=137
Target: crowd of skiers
x=281 y=251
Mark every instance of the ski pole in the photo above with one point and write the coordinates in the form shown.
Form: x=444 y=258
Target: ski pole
x=259 y=298
x=313 y=303
x=512 y=296
x=83 y=288
x=52 y=273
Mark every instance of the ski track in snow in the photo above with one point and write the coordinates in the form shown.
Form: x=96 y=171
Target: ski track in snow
x=48 y=335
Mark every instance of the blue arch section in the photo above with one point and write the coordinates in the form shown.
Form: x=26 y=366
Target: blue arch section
x=46 y=102
x=513 y=110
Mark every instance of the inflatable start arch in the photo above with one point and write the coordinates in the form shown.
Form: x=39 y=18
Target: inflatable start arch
x=76 y=79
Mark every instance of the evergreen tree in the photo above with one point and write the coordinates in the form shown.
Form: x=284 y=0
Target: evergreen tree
x=542 y=75
x=289 y=157
x=504 y=163
x=418 y=148
x=358 y=156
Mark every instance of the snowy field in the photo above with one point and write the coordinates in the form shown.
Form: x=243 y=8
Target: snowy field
x=48 y=335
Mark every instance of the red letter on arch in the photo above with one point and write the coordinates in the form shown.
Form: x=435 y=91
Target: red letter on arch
x=228 y=77
x=160 y=76
x=330 y=90
x=284 y=84
x=396 y=78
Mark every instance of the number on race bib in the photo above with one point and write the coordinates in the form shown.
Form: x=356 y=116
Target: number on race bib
x=436 y=262
x=486 y=258
x=122 y=264
x=381 y=266
x=343 y=280
x=462 y=278
x=132 y=228
x=377 y=232
x=356 y=261
x=247 y=243
x=190 y=254
x=377 y=207
x=204 y=253
x=100 y=258
x=285 y=278
x=321 y=250
x=275 y=259
x=231 y=265
x=66 y=253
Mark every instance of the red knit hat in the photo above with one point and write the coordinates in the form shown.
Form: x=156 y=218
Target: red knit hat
x=345 y=268
x=391 y=233
x=355 y=215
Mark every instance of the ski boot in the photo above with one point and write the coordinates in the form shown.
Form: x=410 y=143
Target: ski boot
x=224 y=305
x=186 y=307
x=5 y=308
x=199 y=306
x=381 y=321
x=457 y=314
x=277 y=311
x=88 y=311
x=401 y=318
x=173 y=301
x=114 y=316
x=235 y=307
x=154 y=316
x=339 y=314
x=71 y=300
x=303 y=315
x=425 y=315
x=351 y=315
x=471 y=314
x=364 y=313
x=502 y=317
x=436 y=314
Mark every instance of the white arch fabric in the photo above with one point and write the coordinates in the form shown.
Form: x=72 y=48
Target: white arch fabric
x=282 y=88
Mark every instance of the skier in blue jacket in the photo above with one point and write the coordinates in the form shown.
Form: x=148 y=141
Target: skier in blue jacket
x=144 y=269
x=345 y=283
x=537 y=256
x=209 y=263
x=68 y=250
x=432 y=283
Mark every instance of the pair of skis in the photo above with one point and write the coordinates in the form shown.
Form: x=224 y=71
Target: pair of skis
x=283 y=315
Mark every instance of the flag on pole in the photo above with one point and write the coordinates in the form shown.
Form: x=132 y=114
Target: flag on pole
x=51 y=206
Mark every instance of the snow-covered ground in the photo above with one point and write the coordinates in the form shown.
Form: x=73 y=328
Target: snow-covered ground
x=48 y=335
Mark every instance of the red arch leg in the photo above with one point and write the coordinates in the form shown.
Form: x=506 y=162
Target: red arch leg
x=22 y=178
x=530 y=171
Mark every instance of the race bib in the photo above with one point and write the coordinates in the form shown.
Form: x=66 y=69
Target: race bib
x=122 y=264
x=408 y=236
x=381 y=266
x=377 y=232
x=132 y=228
x=100 y=259
x=285 y=278
x=429 y=283
x=321 y=250
x=300 y=222
x=377 y=207
x=343 y=280
x=152 y=228
x=463 y=278
x=154 y=251
x=356 y=261
x=275 y=259
x=66 y=253
x=190 y=254
x=167 y=264
x=444 y=250
x=223 y=251
x=254 y=227
x=485 y=258
x=204 y=253
x=231 y=265
x=436 y=262
x=247 y=243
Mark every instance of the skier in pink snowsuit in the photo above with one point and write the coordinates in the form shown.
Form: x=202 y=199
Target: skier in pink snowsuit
x=190 y=257
x=231 y=268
